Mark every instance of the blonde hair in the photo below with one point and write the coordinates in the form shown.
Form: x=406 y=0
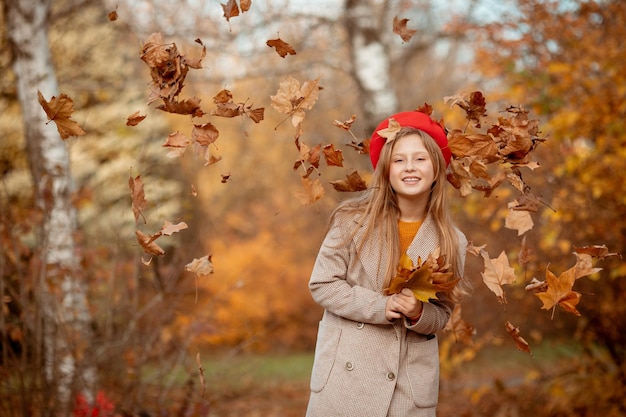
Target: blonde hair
x=380 y=202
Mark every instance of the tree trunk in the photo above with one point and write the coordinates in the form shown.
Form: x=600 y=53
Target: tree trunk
x=65 y=317
x=371 y=61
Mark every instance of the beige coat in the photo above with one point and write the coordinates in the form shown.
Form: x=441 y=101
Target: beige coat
x=366 y=366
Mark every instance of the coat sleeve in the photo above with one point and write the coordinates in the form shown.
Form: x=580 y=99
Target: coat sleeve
x=331 y=290
x=436 y=314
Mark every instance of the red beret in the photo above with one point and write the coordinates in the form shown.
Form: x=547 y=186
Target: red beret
x=414 y=119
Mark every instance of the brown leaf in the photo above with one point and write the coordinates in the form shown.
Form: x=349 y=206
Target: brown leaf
x=282 y=47
x=202 y=266
x=399 y=28
x=519 y=340
x=473 y=103
x=204 y=134
x=353 y=182
x=176 y=143
x=230 y=9
x=292 y=99
x=346 y=124
x=597 y=251
x=333 y=156
x=519 y=220
x=462 y=145
x=134 y=119
x=311 y=191
x=462 y=330
x=113 y=15
x=169 y=228
x=148 y=244
x=137 y=195
x=559 y=292
x=497 y=273
x=59 y=110
x=189 y=106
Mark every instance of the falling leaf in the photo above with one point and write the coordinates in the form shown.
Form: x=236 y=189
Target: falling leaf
x=148 y=244
x=201 y=266
x=390 y=132
x=461 y=330
x=113 y=15
x=137 y=195
x=525 y=254
x=176 y=143
x=519 y=220
x=311 y=191
x=399 y=28
x=282 y=47
x=481 y=145
x=497 y=273
x=353 y=182
x=230 y=9
x=201 y=374
x=597 y=251
x=59 y=110
x=292 y=99
x=169 y=228
x=519 y=340
x=346 y=124
x=225 y=178
x=473 y=103
x=334 y=157
x=425 y=280
x=134 y=119
x=204 y=134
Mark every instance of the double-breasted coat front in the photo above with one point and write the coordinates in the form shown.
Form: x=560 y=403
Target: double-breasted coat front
x=365 y=365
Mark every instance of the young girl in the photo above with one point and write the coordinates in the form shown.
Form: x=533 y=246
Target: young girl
x=377 y=355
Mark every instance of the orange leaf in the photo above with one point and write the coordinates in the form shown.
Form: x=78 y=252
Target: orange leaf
x=204 y=134
x=282 y=47
x=148 y=244
x=353 y=182
x=311 y=191
x=497 y=273
x=59 y=110
x=333 y=156
x=346 y=124
x=176 y=143
x=399 y=28
x=519 y=340
x=462 y=330
x=134 y=119
x=559 y=292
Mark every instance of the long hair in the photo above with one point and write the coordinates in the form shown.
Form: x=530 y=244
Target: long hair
x=378 y=205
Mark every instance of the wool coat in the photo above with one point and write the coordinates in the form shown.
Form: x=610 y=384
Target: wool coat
x=365 y=365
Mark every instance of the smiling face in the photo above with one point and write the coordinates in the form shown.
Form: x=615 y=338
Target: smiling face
x=411 y=170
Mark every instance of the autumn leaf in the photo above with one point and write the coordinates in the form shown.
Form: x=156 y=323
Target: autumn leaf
x=137 y=195
x=231 y=9
x=390 y=131
x=308 y=154
x=497 y=273
x=201 y=266
x=559 y=292
x=59 y=110
x=346 y=124
x=148 y=244
x=226 y=107
x=112 y=16
x=481 y=145
x=520 y=342
x=282 y=47
x=311 y=191
x=353 y=182
x=399 y=28
x=292 y=99
x=425 y=280
x=334 y=157
x=134 y=119
x=204 y=134
x=519 y=220
x=461 y=330
x=597 y=251
x=169 y=228
x=473 y=103
x=176 y=143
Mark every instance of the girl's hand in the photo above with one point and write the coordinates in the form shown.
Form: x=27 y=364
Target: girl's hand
x=391 y=309
x=408 y=305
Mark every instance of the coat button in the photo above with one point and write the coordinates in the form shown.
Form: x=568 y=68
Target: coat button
x=349 y=366
x=391 y=376
x=360 y=325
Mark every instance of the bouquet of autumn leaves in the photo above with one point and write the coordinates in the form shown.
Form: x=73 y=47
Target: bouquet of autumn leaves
x=425 y=280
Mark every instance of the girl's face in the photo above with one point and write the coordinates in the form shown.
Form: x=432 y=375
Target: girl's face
x=411 y=171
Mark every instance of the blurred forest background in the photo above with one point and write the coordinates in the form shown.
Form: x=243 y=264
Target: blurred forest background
x=87 y=321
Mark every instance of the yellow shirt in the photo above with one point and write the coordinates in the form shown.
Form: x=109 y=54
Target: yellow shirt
x=407 y=232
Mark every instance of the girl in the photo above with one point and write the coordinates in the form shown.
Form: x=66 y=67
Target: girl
x=377 y=355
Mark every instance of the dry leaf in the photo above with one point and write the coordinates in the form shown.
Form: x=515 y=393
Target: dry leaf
x=399 y=28
x=353 y=182
x=497 y=273
x=282 y=47
x=137 y=195
x=59 y=110
x=519 y=340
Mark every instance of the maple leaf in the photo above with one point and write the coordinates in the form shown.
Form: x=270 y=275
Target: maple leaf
x=520 y=342
x=204 y=134
x=597 y=251
x=559 y=292
x=148 y=244
x=425 y=280
x=497 y=273
x=59 y=110
x=399 y=28
x=334 y=157
x=282 y=47
x=390 y=131
x=353 y=182
x=473 y=103
x=292 y=99
x=311 y=191
x=308 y=154
x=189 y=106
x=427 y=109
x=137 y=195
x=226 y=107
x=169 y=228
x=519 y=220
x=231 y=9
x=526 y=253
x=346 y=124
x=134 y=119
x=481 y=145
x=201 y=266
x=459 y=176
x=196 y=63
x=176 y=143
x=461 y=330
